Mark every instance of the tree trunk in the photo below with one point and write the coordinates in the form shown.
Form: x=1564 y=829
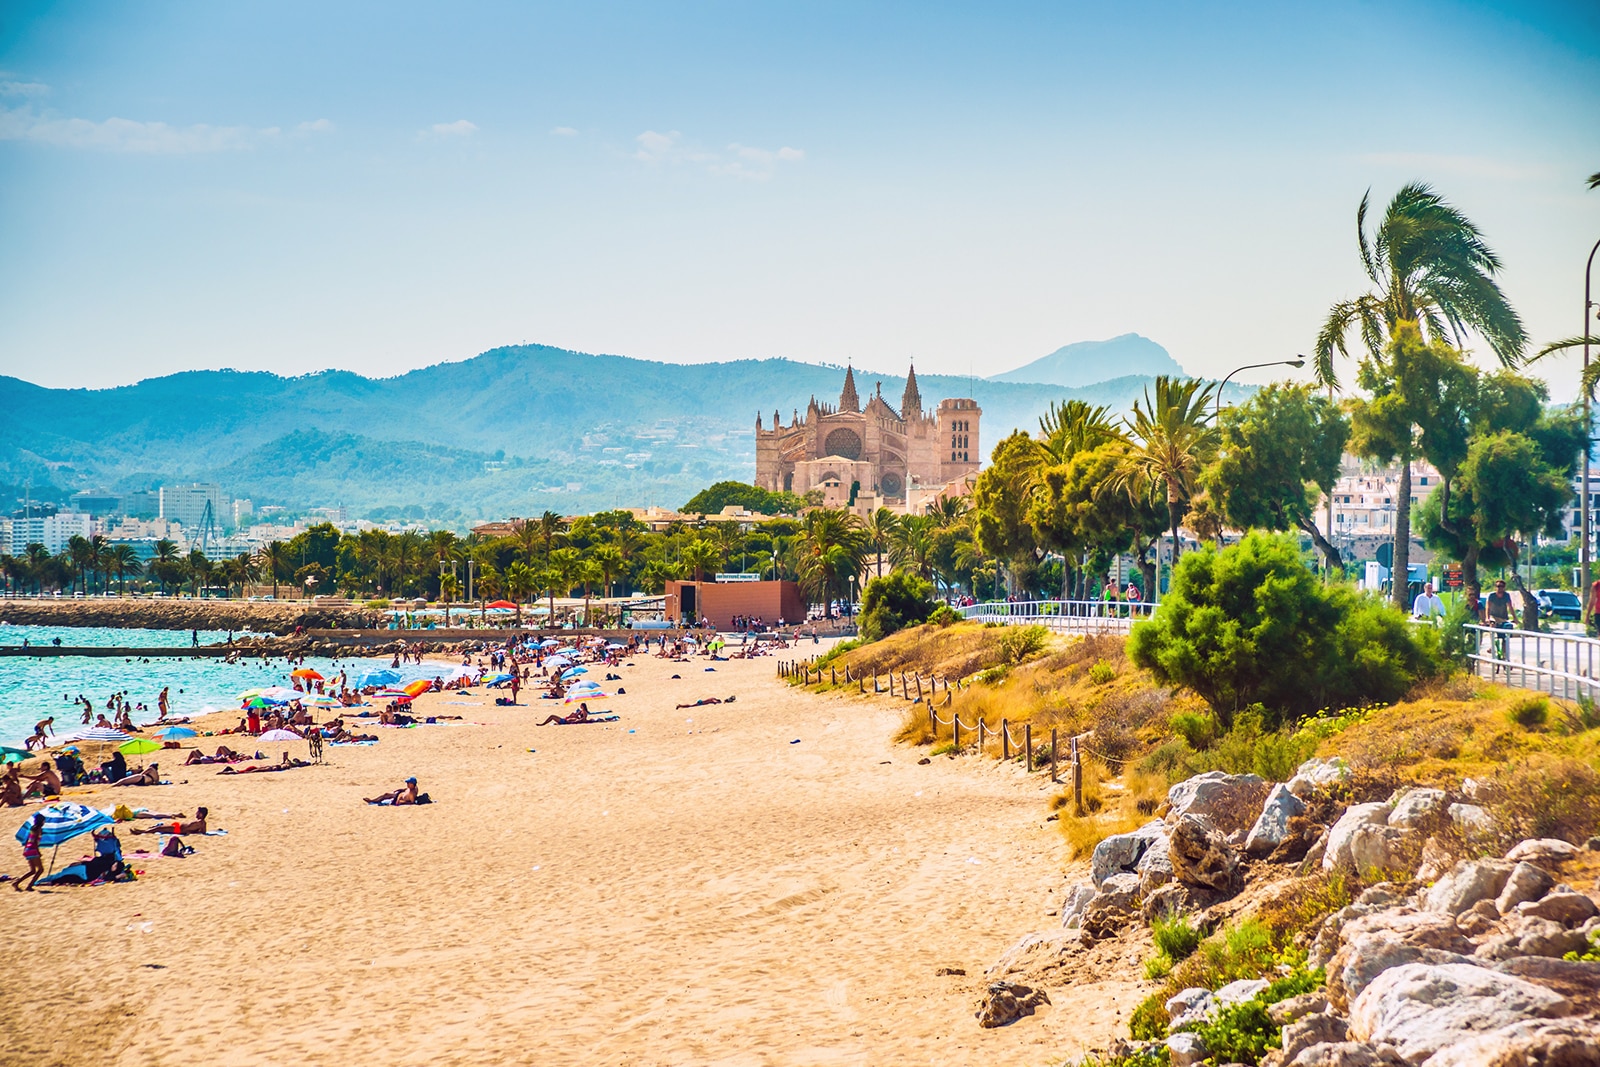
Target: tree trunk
x=1530 y=607
x=1401 y=576
x=1330 y=554
x=1469 y=578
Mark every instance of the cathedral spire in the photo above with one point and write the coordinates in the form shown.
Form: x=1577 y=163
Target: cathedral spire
x=848 y=401
x=911 y=399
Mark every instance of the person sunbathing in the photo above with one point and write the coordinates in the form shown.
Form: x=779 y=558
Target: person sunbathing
x=149 y=776
x=45 y=784
x=406 y=794
x=581 y=715
x=284 y=764
x=196 y=825
x=703 y=701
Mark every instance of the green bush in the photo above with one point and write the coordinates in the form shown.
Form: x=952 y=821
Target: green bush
x=1248 y=748
x=1199 y=731
x=1176 y=937
x=893 y=602
x=1244 y=1033
x=1530 y=713
x=1020 y=642
x=1102 y=672
x=1250 y=624
x=838 y=650
x=944 y=615
x=1149 y=1020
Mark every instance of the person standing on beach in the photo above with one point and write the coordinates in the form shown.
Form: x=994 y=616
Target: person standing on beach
x=33 y=854
x=161 y=702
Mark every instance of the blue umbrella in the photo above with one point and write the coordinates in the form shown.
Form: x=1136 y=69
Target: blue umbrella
x=172 y=733
x=63 y=822
x=549 y=642
x=378 y=678
x=573 y=672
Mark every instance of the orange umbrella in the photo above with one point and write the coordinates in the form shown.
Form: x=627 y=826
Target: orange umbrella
x=505 y=604
x=418 y=687
x=306 y=672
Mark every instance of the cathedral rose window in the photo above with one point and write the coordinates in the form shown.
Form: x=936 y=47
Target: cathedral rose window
x=843 y=442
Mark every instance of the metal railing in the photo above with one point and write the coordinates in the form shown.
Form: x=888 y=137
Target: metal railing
x=1563 y=665
x=1062 y=616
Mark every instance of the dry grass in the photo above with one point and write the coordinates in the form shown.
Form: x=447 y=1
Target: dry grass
x=952 y=652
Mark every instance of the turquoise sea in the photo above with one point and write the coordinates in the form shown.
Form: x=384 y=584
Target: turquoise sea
x=32 y=689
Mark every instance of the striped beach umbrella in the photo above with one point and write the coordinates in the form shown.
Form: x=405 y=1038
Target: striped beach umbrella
x=63 y=822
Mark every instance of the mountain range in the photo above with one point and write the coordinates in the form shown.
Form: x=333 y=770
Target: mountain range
x=1087 y=362
x=514 y=430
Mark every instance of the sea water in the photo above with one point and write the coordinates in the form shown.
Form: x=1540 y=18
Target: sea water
x=34 y=688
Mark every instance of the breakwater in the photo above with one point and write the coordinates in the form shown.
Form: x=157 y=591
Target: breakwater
x=184 y=613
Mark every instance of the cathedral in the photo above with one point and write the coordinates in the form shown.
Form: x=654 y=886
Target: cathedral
x=865 y=457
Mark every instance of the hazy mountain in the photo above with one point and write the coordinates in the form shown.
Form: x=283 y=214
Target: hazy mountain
x=1088 y=362
x=512 y=431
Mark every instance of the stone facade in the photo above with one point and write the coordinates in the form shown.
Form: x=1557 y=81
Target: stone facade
x=876 y=449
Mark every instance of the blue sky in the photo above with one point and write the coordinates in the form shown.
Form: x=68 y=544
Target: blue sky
x=379 y=187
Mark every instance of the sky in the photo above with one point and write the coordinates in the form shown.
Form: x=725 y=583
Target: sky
x=378 y=187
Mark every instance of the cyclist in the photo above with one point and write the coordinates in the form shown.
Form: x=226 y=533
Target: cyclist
x=1497 y=613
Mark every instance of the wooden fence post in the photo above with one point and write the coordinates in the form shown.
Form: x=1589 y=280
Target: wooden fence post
x=1027 y=739
x=933 y=723
x=1077 y=780
x=983 y=734
x=1054 y=777
x=833 y=675
x=919 y=686
x=1005 y=739
x=861 y=686
x=955 y=733
x=874 y=681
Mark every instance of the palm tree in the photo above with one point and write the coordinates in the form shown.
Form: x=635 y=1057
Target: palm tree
x=914 y=544
x=520 y=581
x=1172 y=441
x=827 y=553
x=700 y=556
x=563 y=567
x=38 y=563
x=122 y=561
x=951 y=510
x=200 y=570
x=275 y=559
x=608 y=558
x=164 y=562
x=1428 y=264
x=552 y=528
x=239 y=571
x=880 y=530
x=80 y=553
x=99 y=548
x=1076 y=426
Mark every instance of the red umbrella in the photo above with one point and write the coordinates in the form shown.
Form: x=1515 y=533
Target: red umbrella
x=508 y=605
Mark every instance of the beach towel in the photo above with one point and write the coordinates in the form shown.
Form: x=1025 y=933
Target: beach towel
x=592 y=718
x=350 y=744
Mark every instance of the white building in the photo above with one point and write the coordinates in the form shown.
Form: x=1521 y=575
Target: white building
x=186 y=505
x=1364 y=500
x=52 y=531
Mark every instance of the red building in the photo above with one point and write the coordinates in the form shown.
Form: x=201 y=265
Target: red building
x=721 y=601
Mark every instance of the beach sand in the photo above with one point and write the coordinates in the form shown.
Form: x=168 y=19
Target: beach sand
x=767 y=882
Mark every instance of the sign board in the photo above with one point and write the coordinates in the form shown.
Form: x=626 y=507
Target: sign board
x=738 y=577
x=1452 y=576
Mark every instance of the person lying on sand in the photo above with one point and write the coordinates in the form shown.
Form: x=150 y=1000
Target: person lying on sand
x=224 y=755
x=149 y=776
x=406 y=794
x=703 y=701
x=284 y=764
x=196 y=825
x=581 y=715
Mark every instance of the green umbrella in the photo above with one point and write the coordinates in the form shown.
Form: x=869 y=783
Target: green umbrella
x=139 y=746
x=14 y=755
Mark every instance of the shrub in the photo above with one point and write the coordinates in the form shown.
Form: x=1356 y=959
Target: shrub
x=377 y=605
x=944 y=615
x=1547 y=798
x=1020 y=642
x=1176 y=936
x=839 y=649
x=1102 y=672
x=1149 y=1020
x=1198 y=731
x=1250 y=624
x=1243 y=1033
x=894 y=602
x=1530 y=713
x=1591 y=954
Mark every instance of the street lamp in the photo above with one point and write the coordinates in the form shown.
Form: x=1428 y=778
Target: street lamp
x=1298 y=361
x=1583 y=559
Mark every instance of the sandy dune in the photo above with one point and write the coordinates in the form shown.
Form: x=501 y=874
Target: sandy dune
x=681 y=887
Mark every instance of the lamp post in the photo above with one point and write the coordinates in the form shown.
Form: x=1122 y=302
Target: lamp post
x=1583 y=514
x=1298 y=361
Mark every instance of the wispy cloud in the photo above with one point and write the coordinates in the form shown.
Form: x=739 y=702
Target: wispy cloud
x=458 y=128
x=735 y=161
x=21 y=88
x=130 y=135
x=564 y=131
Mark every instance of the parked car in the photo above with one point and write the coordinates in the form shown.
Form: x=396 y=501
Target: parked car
x=1559 y=603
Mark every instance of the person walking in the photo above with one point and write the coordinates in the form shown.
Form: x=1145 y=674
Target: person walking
x=33 y=854
x=1427 y=605
x=1592 y=612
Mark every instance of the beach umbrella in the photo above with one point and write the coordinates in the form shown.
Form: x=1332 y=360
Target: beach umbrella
x=258 y=703
x=502 y=605
x=587 y=694
x=462 y=672
x=326 y=702
x=249 y=694
x=139 y=746
x=306 y=672
x=63 y=822
x=549 y=642
x=172 y=733
x=616 y=644
x=573 y=672
x=280 y=735
x=280 y=694
x=419 y=687
x=100 y=733
x=378 y=677
x=13 y=755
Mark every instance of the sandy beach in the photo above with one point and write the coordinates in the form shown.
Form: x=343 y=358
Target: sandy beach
x=766 y=882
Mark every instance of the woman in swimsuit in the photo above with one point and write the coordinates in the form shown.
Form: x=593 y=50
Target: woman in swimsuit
x=581 y=715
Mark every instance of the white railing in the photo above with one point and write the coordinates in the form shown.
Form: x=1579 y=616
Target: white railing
x=1563 y=665
x=1062 y=616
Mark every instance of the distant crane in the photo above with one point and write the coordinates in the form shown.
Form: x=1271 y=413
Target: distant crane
x=208 y=529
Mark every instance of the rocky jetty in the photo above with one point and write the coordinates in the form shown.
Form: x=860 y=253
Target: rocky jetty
x=183 y=613
x=1457 y=959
